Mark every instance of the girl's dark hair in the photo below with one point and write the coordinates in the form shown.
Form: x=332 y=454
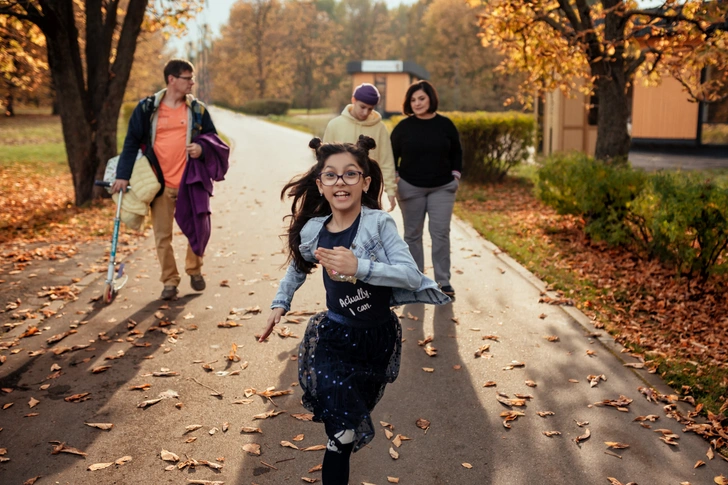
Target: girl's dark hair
x=308 y=202
x=429 y=90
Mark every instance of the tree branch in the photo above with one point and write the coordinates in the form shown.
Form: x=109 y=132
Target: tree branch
x=571 y=15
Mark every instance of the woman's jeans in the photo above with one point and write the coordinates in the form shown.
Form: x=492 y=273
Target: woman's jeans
x=437 y=203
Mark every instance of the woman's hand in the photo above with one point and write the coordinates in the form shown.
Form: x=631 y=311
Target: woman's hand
x=273 y=319
x=339 y=259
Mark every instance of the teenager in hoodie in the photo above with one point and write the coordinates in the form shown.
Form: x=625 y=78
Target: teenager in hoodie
x=359 y=118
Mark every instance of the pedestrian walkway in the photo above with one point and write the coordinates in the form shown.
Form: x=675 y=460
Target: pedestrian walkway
x=454 y=418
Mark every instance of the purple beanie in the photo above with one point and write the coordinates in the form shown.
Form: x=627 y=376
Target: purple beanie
x=367 y=93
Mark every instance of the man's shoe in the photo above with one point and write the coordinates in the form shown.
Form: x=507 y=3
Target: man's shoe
x=448 y=290
x=169 y=292
x=197 y=282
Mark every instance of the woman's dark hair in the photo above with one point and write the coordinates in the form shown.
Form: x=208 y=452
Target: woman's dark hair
x=429 y=90
x=308 y=202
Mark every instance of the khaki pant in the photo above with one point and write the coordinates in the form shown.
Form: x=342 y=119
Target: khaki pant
x=163 y=226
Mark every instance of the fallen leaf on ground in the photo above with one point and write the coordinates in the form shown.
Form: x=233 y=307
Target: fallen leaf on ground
x=303 y=416
x=513 y=365
x=268 y=414
x=78 y=397
x=543 y=414
x=99 y=466
x=288 y=444
x=252 y=449
x=168 y=456
x=467 y=465
x=393 y=453
x=616 y=445
x=104 y=426
x=33 y=402
x=60 y=447
x=583 y=437
x=552 y=433
x=314 y=448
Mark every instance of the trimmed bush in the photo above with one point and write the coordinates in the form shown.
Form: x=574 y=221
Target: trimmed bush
x=493 y=143
x=685 y=221
x=574 y=183
x=264 y=107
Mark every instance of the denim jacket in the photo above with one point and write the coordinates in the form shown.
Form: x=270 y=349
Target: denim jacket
x=384 y=260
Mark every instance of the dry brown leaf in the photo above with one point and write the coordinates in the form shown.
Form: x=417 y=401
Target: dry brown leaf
x=552 y=338
x=551 y=433
x=298 y=437
x=78 y=397
x=543 y=414
x=268 y=414
x=699 y=463
x=250 y=429
x=531 y=383
x=392 y=479
x=252 y=449
x=393 y=453
x=99 y=466
x=104 y=426
x=33 y=402
x=429 y=370
x=288 y=444
x=616 y=445
x=303 y=416
x=317 y=468
x=60 y=447
x=467 y=465
x=31 y=481
x=100 y=369
x=583 y=437
x=514 y=364
x=314 y=448
x=489 y=384
x=388 y=434
x=721 y=480
x=168 y=456
x=309 y=480
x=423 y=424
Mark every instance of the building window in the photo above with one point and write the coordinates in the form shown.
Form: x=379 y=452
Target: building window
x=714 y=129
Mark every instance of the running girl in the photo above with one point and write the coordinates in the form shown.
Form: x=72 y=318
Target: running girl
x=350 y=352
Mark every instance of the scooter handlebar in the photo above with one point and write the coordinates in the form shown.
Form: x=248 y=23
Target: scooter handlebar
x=102 y=183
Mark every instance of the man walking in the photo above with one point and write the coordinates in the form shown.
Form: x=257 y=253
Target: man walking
x=163 y=127
x=359 y=118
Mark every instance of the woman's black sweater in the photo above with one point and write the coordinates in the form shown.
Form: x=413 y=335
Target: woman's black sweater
x=426 y=152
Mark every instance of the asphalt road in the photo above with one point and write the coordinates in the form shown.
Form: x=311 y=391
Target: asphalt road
x=466 y=442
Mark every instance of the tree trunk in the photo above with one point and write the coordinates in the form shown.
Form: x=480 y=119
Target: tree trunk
x=613 y=138
x=89 y=109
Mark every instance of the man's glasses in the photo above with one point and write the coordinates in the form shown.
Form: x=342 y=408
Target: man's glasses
x=186 y=78
x=350 y=177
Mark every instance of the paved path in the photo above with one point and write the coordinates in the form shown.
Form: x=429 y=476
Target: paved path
x=495 y=297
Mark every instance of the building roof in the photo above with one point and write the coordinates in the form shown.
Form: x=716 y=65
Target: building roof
x=384 y=66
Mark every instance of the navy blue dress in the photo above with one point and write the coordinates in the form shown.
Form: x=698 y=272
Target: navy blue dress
x=350 y=352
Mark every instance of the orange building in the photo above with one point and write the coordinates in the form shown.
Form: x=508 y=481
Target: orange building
x=392 y=78
x=661 y=115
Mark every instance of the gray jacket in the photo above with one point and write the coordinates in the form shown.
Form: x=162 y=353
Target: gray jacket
x=384 y=260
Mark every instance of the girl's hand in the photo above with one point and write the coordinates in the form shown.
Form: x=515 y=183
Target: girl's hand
x=273 y=319
x=339 y=259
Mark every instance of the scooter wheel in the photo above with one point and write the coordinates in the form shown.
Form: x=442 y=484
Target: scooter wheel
x=108 y=293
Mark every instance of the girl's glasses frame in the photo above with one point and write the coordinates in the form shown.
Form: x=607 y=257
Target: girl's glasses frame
x=350 y=177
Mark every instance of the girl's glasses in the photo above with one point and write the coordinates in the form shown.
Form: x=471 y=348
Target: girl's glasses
x=350 y=177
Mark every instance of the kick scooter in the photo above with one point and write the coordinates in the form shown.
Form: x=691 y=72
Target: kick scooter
x=115 y=279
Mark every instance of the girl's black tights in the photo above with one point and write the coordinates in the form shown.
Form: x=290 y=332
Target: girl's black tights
x=335 y=470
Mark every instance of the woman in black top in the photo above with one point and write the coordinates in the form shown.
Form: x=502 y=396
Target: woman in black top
x=429 y=160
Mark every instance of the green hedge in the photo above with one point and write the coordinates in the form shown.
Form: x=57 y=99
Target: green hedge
x=264 y=107
x=493 y=143
x=684 y=220
x=680 y=218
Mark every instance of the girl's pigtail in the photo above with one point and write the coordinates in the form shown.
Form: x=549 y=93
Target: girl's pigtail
x=372 y=197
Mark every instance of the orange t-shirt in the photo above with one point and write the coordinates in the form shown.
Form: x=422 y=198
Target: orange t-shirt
x=170 y=143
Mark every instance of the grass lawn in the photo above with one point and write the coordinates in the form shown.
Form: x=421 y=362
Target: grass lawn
x=606 y=283
x=314 y=124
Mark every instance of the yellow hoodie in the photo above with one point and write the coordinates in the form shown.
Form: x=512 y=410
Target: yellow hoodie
x=346 y=129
